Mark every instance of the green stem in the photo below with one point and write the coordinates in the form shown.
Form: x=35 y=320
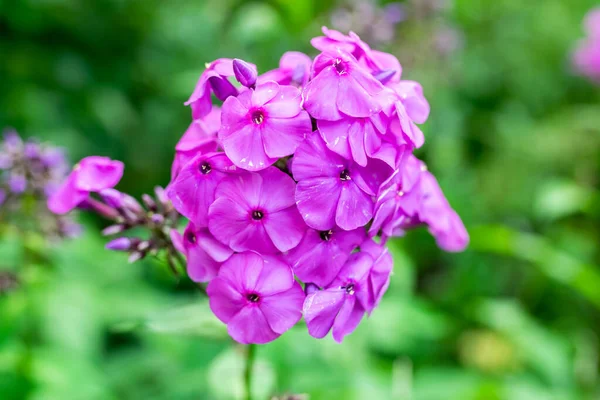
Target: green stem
x=250 y=350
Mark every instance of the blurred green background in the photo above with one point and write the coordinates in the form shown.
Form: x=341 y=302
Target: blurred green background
x=513 y=137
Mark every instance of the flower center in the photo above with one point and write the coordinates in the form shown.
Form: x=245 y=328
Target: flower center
x=258 y=117
x=326 y=235
x=257 y=215
x=253 y=297
x=205 y=168
x=345 y=175
x=349 y=288
x=340 y=66
x=190 y=237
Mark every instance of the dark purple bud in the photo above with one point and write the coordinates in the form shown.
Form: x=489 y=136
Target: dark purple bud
x=119 y=244
x=17 y=183
x=222 y=88
x=149 y=202
x=113 y=229
x=310 y=288
x=157 y=219
x=112 y=197
x=244 y=73
x=385 y=75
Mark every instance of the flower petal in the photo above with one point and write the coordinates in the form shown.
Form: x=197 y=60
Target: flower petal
x=320 y=310
x=285 y=228
x=251 y=326
x=317 y=200
x=284 y=309
x=354 y=209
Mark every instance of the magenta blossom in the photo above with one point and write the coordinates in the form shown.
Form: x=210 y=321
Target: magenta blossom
x=256 y=211
x=204 y=253
x=193 y=190
x=340 y=86
x=343 y=303
x=586 y=57
x=321 y=254
x=199 y=138
x=213 y=80
x=379 y=276
x=294 y=69
x=256 y=296
x=332 y=190
x=92 y=174
x=260 y=126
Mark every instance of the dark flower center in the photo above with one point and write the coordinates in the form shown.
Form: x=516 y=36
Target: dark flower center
x=349 y=288
x=257 y=215
x=258 y=117
x=190 y=237
x=205 y=168
x=253 y=297
x=326 y=235
x=340 y=66
x=345 y=175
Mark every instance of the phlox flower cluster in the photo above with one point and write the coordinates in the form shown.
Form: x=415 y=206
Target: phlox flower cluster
x=586 y=57
x=294 y=184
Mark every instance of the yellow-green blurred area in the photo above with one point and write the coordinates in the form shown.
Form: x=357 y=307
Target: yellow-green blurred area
x=513 y=137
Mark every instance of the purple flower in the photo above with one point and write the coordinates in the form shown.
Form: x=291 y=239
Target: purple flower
x=334 y=40
x=212 y=80
x=256 y=211
x=257 y=297
x=586 y=57
x=294 y=69
x=92 y=174
x=340 y=86
x=17 y=183
x=204 y=253
x=332 y=190
x=193 y=189
x=412 y=197
x=199 y=138
x=379 y=276
x=260 y=126
x=245 y=73
x=341 y=305
x=321 y=254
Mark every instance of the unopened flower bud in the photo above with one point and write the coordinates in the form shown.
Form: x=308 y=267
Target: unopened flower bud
x=244 y=73
x=149 y=202
x=310 y=288
x=119 y=244
x=385 y=75
x=222 y=88
x=113 y=229
x=161 y=195
x=143 y=245
x=157 y=219
x=135 y=256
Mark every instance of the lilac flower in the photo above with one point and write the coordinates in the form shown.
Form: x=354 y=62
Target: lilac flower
x=204 y=253
x=334 y=40
x=261 y=125
x=193 y=190
x=586 y=57
x=17 y=183
x=256 y=211
x=212 y=80
x=92 y=174
x=341 y=305
x=320 y=255
x=256 y=296
x=245 y=73
x=199 y=138
x=340 y=86
x=294 y=69
x=332 y=190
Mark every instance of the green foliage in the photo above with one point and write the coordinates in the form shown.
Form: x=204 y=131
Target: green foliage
x=514 y=138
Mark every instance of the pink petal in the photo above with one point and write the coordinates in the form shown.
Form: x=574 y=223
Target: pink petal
x=66 y=197
x=200 y=266
x=285 y=228
x=284 y=309
x=225 y=300
x=277 y=191
x=275 y=277
x=214 y=248
x=320 y=310
x=253 y=237
x=357 y=133
x=354 y=209
x=264 y=93
x=353 y=99
x=282 y=136
x=317 y=200
x=320 y=93
x=246 y=150
x=96 y=173
x=233 y=117
x=286 y=104
x=335 y=135
x=347 y=319
x=243 y=189
x=251 y=326
x=242 y=271
x=313 y=159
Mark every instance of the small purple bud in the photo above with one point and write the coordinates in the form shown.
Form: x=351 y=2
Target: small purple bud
x=31 y=150
x=161 y=195
x=149 y=202
x=310 y=288
x=112 y=197
x=385 y=75
x=143 y=246
x=244 y=73
x=113 y=229
x=5 y=161
x=157 y=219
x=119 y=244
x=17 y=183
x=53 y=157
x=135 y=256
x=12 y=140
x=222 y=88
